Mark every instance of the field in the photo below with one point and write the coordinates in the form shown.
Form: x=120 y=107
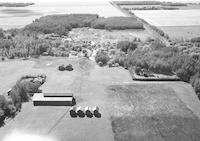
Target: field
x=151 y=112
x=181 y=32
x=113 y=91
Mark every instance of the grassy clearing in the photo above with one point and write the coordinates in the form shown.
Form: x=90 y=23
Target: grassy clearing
x=151 y=112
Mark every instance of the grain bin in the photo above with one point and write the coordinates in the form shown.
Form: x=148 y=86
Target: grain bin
x=72 y=112
x=88 y=112
x=80 y=112
x=96 y=112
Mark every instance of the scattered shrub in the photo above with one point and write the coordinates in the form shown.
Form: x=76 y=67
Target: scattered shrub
x=138 y=70
x=2 y=117
x=6 y=109
x=3 y=102
x=126 y=46
x=1 y=33
x=195 y=81
x=102 y=57
x=187 y=70
x=10 y=110
x=161 y=67
x=27 y=84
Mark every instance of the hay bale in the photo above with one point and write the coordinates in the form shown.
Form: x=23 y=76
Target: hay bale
x=61 y=68
x=69 y=67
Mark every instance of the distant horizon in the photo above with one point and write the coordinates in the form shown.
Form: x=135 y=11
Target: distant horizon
x=86 y=1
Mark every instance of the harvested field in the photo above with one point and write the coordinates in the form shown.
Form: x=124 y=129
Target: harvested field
x=151 y=112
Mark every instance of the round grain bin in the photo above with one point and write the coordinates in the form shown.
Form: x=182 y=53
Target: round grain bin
x=72 y=112
x=88 y=111
x=80 y=112
x=96 y=112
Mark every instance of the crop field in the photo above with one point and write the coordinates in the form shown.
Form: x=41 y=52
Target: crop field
x=181 y=32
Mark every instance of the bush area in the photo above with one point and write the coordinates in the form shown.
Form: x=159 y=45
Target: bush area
x=126 y=46
x=155 y=58
x=102 y=58
x=21 y=43
x=18 y=94
x=158 y=58
x=7 y=109
x=119 y=23
x=197 y=39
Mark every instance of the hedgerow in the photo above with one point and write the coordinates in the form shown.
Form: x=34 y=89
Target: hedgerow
x=119 y=23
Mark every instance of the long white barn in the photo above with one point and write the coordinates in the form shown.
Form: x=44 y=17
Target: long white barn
x=41 y=99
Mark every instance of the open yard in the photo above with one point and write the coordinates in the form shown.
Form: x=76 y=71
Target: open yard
x=130 y=110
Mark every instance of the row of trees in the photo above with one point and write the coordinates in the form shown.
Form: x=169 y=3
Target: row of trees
x=18 y=94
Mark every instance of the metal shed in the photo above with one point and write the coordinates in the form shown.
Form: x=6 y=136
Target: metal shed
x=40 y=100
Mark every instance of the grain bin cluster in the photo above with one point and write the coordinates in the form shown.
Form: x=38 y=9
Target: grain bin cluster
x=87 y=111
